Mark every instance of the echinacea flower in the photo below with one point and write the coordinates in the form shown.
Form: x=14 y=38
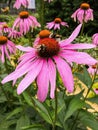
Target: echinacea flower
x=83 y=14
x=24 y=22
x=14 y=34
x=41 y=62
x=93 y=69
x=6 y=29
x=56 y=24
x=95 y=39
x=19 y=3
x=7 y=47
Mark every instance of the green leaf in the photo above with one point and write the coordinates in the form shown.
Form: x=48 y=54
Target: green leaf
x=14 y=112
x=23 y=121
x=39 y=107
x=33 y=127
x=43 y=111
x=84 y=77
x=87 y=119
x=93 y=99
x=75 y=104
x=28 y=99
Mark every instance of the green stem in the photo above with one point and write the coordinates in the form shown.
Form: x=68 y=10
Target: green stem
x=41 y=12
x=82 y=29
x=6 y=65
x=56 y=105
x=91 y=84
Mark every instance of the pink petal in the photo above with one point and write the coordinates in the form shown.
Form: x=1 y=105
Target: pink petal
x=52 y=77
x=78 y=57
x=30 y=77
x=72 y=36
x=26 y=49
x=43 y=82
x=80 y=46
x=65 y=73
x=17 y=73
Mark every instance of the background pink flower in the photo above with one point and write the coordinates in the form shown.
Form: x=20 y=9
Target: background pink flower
x=40 y=63
x=14 y=34
x=24 y=22
x=19 y=3
x=92 y=69
x=95 y=39
x=7 y=47
x=56 y=24
x=83 y=14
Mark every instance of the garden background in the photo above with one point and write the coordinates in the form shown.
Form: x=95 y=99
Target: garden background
x=67 y=111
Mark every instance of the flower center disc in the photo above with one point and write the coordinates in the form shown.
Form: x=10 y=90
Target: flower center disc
x=5 y=26
x=85 y=6
x=57 y=20
x=3 y=40
x=44 y=34
x=94 y=66
x=24 y=14
x=48 y=47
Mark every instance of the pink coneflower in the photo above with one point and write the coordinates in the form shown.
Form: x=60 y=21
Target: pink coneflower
x=41 y=62
x=7 y=47
x=93 y=69
x=19 y=3
x=4 y=28
x=56 y=24
x=83 y=14
x=14 y=34
x=24 y=22
x=95 y=39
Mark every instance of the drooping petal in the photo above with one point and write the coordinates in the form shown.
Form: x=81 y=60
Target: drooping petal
x=52 y=77
x=43 y=82
x=65 y=73
x=30 y=77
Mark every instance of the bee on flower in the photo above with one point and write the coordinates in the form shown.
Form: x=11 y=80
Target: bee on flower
x=43 y=60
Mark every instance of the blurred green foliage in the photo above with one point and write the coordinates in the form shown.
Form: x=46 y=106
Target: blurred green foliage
x=64 y=10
